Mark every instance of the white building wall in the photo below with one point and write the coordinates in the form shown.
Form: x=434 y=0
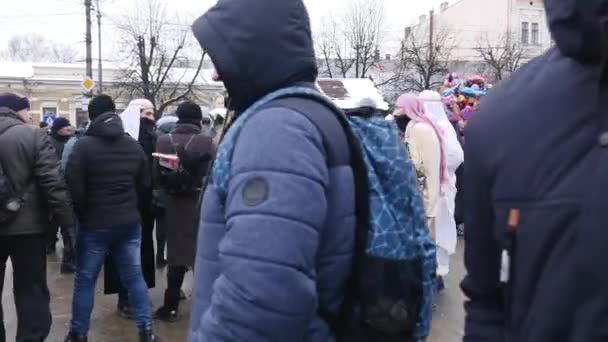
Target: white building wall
x=470 y=22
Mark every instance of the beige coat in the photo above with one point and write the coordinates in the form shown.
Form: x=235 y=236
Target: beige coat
x=425 y=152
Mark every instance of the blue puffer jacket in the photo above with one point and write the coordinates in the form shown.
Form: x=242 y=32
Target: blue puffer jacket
x=281 y=248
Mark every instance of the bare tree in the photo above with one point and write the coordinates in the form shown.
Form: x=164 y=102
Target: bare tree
x=37 y=48
x=502 y=56
x=160 y=69
x=424 y=64
x=348 y=43
x=325 y=42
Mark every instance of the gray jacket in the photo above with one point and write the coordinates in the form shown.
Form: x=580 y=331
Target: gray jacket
x=29 y=160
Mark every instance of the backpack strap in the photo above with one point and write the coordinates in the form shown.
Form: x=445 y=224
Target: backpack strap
x=334 y=139
x=176 y=146
x=342 y=148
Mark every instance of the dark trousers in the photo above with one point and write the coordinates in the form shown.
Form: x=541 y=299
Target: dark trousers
x=161 y=238
x=68 y=242
x=175 y=280
x=32 y=299
x=459 y=211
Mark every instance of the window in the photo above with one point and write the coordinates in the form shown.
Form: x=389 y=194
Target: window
x=535 y=34
x=525 y=33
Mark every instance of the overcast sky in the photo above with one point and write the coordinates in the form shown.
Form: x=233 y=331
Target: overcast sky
x=63 y=20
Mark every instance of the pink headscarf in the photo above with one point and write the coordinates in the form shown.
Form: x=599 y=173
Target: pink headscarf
x=413 y=107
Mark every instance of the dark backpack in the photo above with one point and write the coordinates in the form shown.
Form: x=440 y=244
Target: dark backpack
x=10 y=200
x=389 y=295
x=187 y=177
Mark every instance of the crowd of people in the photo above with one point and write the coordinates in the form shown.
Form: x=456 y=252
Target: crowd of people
x=101 y=197
x=304 y=221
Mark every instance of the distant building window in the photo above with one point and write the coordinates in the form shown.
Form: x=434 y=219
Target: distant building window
x=525 y=33
x=535 y=34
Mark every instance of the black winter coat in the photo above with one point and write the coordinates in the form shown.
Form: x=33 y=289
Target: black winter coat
x=105 y=172
x=28 y=158
x=59 y=144
x=536 y=177
x=181 y=217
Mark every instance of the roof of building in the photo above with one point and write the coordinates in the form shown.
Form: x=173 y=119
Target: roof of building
x=76 y=71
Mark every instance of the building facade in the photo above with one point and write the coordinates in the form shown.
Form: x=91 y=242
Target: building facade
x=469 y=24
x=55 y=90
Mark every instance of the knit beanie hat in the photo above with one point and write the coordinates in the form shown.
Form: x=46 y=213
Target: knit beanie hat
x=99 y=105
x=60 y=123
x=14 y=102
x=189 y=112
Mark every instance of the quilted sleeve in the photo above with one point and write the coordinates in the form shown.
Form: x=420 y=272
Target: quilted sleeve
x=275 y=210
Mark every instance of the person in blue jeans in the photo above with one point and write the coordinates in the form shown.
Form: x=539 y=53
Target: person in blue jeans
x=104 y=172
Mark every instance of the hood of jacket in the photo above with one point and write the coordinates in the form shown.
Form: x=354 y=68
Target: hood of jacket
x=107 y=125
x=258 y=46
x=579 y=28
x=8 y=118
x=185 y=128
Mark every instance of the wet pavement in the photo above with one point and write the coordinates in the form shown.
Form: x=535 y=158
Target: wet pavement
x=106 y=326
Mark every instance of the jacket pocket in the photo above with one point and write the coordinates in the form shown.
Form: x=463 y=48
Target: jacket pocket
x=537 y=235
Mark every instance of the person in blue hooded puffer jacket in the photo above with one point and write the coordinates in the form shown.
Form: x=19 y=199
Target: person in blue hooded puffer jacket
x=536 y=161
x=280 y=250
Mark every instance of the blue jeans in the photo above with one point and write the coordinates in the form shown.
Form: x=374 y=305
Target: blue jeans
x=123 y=244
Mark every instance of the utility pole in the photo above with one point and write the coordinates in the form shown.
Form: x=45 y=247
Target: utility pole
x=89 y=40
x=431 y=29
x=99 y=42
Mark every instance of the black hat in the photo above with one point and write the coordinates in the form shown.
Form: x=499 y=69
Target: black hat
x=99 y=105
x=60 y=123
x=189 y=112
x=14 y=102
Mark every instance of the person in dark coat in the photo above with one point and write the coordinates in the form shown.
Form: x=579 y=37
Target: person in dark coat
x=31 y=165
x=280 y=250
x=105 y=172
x=61 y=132
x=112 y=284
x=536 y=179
x=147 y=140
x=164 y=126
x=181 y=215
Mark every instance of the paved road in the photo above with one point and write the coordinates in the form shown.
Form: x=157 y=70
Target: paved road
x=106 y=326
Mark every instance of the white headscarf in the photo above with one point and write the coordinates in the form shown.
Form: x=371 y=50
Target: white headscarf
x=436 y=111
x=132 y=115
x=445 y=226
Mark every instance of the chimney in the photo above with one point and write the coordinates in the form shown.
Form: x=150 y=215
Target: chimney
x=377 y=55
x=444 y=6
x=388 y=56
x=422 y=18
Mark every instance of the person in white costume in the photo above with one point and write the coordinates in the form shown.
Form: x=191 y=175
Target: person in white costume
x=131 y=117
x=445 y=225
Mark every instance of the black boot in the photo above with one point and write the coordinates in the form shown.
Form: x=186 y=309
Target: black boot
x=125 y=311
x=67 y=268
x=147 y=336
x=168 y=312
x=75 y=338
x=160 y=262
x=68 y=263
